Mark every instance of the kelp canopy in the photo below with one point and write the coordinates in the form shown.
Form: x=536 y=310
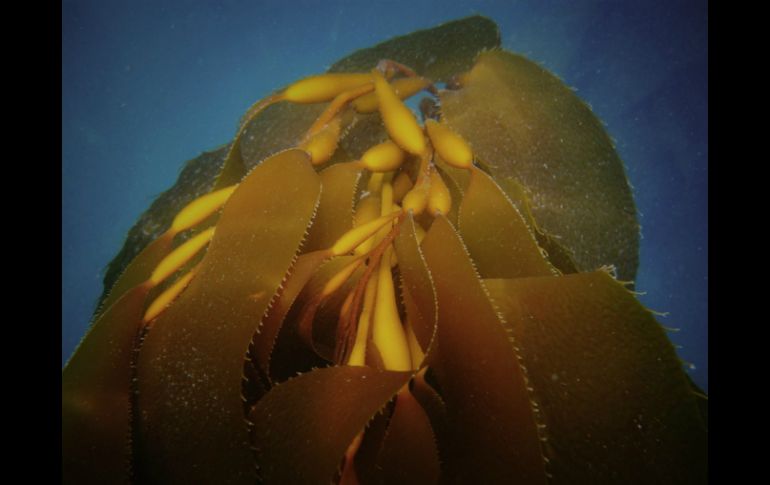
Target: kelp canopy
x=347 y=294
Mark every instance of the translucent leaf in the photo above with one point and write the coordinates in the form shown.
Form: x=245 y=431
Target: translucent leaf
x=499 y=241
x=434 y=407
x=95 y=396
x=617 y=406
x=366 y=467
x=335 y=212
x=492 y=434
x=303 y=426
x=416 y=285
x=558 y=255
x=304 y=268
x=191 y=363
x=527 y=124
x=139 y=270
x=409 y=453
x=279 y=127
x=321 y=338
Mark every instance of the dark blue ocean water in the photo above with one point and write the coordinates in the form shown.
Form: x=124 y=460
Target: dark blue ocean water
x=147 y=85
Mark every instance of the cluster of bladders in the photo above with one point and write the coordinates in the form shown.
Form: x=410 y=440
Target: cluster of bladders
x=369 y=314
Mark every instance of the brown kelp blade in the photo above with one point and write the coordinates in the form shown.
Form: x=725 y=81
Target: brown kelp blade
x=298 y=346
x=435 y=408
x=366 y=467
x=526 y=123
x=302 y=427
x=95 y=396
x=139 y=269
x=190 y=366
x=277 y=128
x=702 y=399
x=558 y=255
x=416 y=285
x=437 y=53
x=615 y=401
x=335 y=212
x=304 y=268
x=409 y=454
x=457 y=178
x=312 y=301
x=499 y=241
x=493 y=434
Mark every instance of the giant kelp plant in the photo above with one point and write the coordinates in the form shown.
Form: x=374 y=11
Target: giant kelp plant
x=346 y=294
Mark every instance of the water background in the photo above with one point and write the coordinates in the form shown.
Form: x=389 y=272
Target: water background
x=147 y=85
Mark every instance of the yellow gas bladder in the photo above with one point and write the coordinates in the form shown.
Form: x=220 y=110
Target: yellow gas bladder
x=324 y=87
x=322 y=145
x=383 y=157
x=449 y=145
x=179 y=256
x=404 y=88
x=399 y=120
x=199 y=209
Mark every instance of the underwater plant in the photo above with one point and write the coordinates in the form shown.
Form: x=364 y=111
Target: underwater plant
x=345 y=293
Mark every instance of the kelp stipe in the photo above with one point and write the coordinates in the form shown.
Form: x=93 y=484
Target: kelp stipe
x=361 y=296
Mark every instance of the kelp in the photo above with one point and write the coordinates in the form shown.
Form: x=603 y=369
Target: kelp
x=450 y=48
x=536 y=131
x=616 y=406
x=196 y=179
x=453 y=317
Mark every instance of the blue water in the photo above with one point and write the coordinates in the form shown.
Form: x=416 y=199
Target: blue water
x=146 y=87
